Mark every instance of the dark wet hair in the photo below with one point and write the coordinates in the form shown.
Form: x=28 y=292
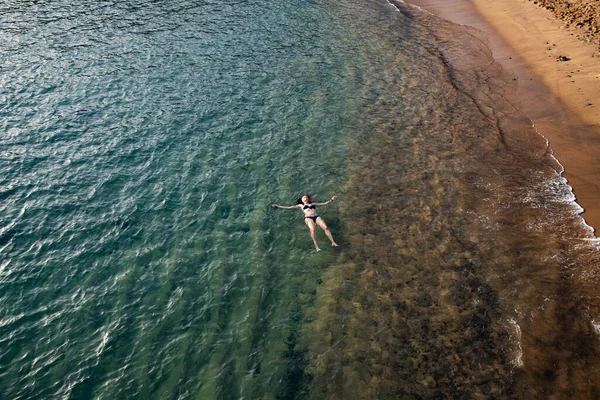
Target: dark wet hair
x=299 y=201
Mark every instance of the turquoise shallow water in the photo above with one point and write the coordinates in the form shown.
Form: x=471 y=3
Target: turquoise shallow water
x=143 y=143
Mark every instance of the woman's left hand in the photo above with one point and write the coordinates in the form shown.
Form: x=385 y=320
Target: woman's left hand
x=334 y=198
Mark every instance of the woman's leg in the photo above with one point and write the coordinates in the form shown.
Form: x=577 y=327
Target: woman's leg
x=313 y=231
x=324 y=226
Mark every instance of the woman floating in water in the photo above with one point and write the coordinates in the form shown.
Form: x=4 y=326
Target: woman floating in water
x=311 y=218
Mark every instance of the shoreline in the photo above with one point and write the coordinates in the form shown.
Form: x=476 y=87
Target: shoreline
x=562 y=98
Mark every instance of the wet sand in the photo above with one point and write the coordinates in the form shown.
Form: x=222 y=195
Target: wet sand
x=465 y=270
x=561 y=97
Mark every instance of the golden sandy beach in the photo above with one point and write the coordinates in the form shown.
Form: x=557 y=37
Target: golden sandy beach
x=561 y=97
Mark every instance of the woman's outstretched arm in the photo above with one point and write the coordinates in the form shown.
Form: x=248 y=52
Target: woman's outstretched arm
x=327 y=202
x=286 y=207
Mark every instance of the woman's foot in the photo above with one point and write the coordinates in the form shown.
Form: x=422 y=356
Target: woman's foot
x=317 y=248
x=334 y=244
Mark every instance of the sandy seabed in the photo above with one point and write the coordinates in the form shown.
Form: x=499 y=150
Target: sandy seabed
x=561 y=97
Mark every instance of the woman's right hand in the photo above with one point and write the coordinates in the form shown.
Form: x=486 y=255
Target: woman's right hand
x=274 y=206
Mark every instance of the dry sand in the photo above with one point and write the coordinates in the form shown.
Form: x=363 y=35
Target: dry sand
x=561 y=97
x=582 y=14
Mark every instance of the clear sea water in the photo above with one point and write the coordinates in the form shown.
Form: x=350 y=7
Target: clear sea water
x=143 y=142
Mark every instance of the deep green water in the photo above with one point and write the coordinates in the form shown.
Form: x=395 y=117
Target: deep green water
x=142 y=143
